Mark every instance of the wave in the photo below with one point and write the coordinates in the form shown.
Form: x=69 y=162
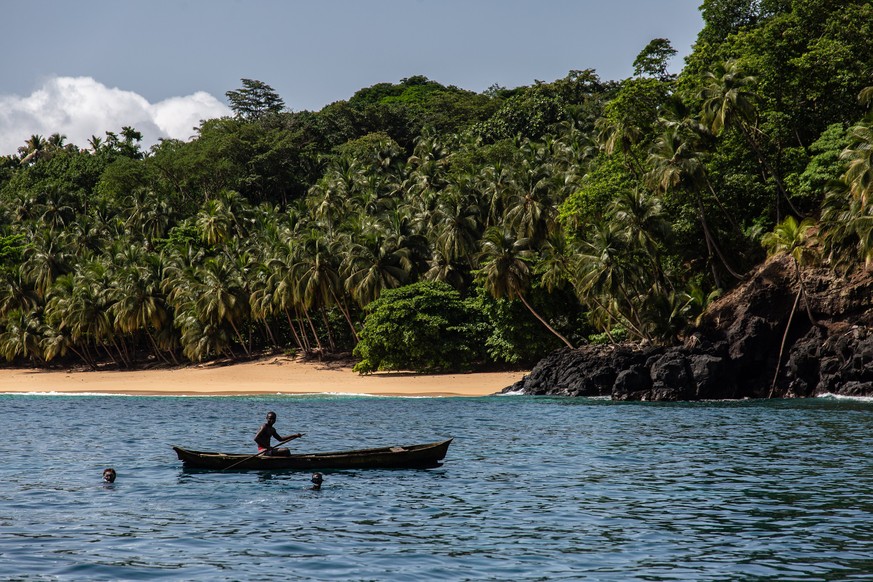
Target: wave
x=844 y=397
x=244 y=395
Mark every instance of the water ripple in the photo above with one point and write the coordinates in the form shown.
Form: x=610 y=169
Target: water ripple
x=533 y=489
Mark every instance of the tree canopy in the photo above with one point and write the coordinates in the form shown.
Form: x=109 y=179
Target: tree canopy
x=482 y=228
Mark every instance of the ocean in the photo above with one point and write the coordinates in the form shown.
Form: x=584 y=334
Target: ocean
x=532 y=488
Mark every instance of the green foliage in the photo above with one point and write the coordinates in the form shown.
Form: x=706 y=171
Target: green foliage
x=527 y=115
x=606 y=177
x=587 y=205
x=254 y=100
x=424 y=327
x=652 y=60
x=180 y=237
x=11 y=249
x=615 y=335
x=514 y=337
x=825 y=165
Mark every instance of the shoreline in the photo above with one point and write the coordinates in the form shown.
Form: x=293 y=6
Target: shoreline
x=269 y=376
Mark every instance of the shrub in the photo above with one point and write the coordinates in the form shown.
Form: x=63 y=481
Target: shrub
x=424 y=327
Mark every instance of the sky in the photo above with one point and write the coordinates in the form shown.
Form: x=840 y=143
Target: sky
x=161 y=66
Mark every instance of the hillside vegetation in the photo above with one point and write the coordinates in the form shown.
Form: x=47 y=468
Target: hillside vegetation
x=430 y=227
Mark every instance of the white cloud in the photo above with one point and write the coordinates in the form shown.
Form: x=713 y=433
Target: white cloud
x=80 y=107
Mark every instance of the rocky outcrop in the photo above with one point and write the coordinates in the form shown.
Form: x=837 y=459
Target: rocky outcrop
x=736 y=351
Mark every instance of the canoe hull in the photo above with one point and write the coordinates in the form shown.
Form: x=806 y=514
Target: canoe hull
x=406 y=457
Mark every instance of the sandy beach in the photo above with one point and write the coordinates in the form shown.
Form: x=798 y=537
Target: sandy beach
x=274 y=375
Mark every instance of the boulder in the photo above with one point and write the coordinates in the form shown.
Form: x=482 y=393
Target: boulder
x=735 y=351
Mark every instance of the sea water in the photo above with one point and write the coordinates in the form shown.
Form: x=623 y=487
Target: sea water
x=531 y=489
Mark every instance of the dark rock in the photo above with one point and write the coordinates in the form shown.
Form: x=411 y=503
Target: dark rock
x=737 y=351
x=632 y=384
x=713 y=377
x=672 y=378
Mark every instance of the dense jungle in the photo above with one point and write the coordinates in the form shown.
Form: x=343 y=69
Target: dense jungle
x=427 y=227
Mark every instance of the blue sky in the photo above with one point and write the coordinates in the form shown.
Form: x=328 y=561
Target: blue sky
x=85 y=67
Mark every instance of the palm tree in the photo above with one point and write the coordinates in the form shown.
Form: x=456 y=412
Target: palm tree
x=23 y=336
x=495 y=183
x=639 y=216
x=139 y=305
x=33 y=149
x=676 y=164
x=330 y=197
x=859 y=160
x=221 y=297
x=615 y=135
x=505 y=270
x=611 y=277
x=43 y=263
x=555 y=262
x=215 y=222
x=317 y=277
x=790 y=237
x=531 y=205
x=149 y=216
x=56 y=141
x=457 y=223
x=16 y=293
x=79 y=304
x=847 y=210
x=96 y=143
x=372 y=264
x=729 y=101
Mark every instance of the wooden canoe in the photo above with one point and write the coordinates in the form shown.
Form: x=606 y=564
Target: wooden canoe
x=405 y=457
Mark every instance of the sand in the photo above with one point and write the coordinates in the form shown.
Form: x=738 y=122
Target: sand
x=275 y=375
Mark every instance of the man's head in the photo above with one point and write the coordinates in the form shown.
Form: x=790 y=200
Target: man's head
x=109 y=475
x=317 y=480
x=271 y=417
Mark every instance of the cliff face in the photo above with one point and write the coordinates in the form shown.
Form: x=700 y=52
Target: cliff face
x=734 y=353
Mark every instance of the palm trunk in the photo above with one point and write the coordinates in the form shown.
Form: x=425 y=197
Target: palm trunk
x=307 y=346
x=780 y=188
x=327 y=326
x=81 y=355
x=239 y=337
x=545 y=323
x=294 y=331
x=345 y=311
x=314 y=333
x=782 y=346
x=158 y=351
x=710 y=239
x=270 y=334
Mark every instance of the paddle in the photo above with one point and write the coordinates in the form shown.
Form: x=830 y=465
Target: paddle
x=259 y=453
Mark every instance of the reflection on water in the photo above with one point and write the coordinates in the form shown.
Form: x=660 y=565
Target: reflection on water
x=534 y=489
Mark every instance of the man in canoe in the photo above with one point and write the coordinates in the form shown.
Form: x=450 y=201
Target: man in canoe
x=267 y=432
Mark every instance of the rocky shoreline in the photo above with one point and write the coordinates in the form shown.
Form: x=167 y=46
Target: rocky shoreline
x=735 y=351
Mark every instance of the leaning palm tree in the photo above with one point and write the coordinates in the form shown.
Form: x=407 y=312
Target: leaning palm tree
x=611 y=276
x=139 y=305
x=729 y=101
x=221 y=297
x=676 y=164
x=859 y=163
x=847 y=210
x=790 y=238
x=23 y=336
x=505 y=270
x=317 y=277
x=33 y=149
